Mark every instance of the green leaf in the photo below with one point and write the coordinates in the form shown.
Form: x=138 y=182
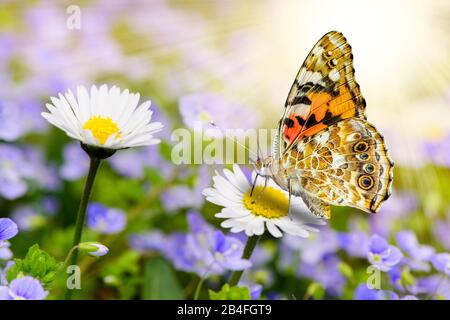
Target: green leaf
x=346 y=270
x=38 y=264
x=160 y=282
x=407 y=278
x=315 y=290
x=230 y=293
x=126 y=263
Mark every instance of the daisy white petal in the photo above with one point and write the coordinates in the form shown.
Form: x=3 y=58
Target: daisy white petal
x=104 y=117
x=266 y=209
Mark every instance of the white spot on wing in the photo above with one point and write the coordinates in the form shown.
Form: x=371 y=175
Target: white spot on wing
x=334 y=75
x=322 y=138
x=314 y=77
x=338 y=160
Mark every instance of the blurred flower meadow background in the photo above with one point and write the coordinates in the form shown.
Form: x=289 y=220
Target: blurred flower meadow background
x=232 y=62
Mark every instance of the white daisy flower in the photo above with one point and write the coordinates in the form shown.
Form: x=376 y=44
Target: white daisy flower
x=253 y=214
x=104 y=117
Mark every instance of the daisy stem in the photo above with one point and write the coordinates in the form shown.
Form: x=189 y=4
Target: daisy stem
x=248 y=250
x=93 y=167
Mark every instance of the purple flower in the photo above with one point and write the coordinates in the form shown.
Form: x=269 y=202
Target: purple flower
x=442 y=232
x=129 y=163
x=28 y=218
x=204 y=250
x=435 y=286
x=315 y=248
x=181 y=196
x=25 y=288
x=148 y=241
x=3 y=281
x=255 y=289
x=105 y=220
x=20 y=118
x=398 y=206
x=76 y=162
x=5 y=252
x=363 y=292
x=441 y=262
x=437 y=151
x=43 y=174
x=355 y=243
x=13 y=172
x=418 y=255
x=8 y=229
x=50 y=205
x=94 y=249
x=132 y=163
x=201 y=108
x=383 y=255
x=226 y=252
x=325 y=272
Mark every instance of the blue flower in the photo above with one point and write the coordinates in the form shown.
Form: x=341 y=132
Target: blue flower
x=28 y=218
x=20 y=117
x=181 y=196
x=441 y=229
x=3 y=281
x=202 y=108
x=8 y=229
x=226 y=252
x=316 y=247
x=354 y=243
x=325 y=272
x=437 y=151
x=5 y=252
x=76 y=162
x=148 y=241
x=255 y=289
x=13 y=172
x=363 y=292
x=399 y=206
x=204 y=250
x=418 y=255
x=441 y=262
x=25 y=288
x=435 y=286
x=105 y=220
x=383 y=255
x=94 y=249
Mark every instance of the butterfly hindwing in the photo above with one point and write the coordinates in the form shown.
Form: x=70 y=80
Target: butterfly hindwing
x=346 y=164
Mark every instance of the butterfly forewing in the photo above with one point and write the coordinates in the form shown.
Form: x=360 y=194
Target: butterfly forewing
x=324 y=92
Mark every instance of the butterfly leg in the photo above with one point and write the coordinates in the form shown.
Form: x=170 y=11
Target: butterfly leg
x=253 y=185
x=289 y=200
x=263 y=189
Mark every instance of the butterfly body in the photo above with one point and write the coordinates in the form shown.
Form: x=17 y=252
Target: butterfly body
x=325 y=150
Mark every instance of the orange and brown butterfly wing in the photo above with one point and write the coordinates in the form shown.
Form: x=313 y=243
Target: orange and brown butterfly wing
x=324 y=92
x=329 y=152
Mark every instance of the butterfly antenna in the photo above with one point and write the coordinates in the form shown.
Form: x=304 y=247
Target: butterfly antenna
x=234 y=140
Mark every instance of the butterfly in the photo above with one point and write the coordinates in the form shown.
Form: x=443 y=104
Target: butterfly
x=325 y=150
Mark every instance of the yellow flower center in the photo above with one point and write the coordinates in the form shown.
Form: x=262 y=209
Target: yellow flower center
x=271 y=203
x=102 y=128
